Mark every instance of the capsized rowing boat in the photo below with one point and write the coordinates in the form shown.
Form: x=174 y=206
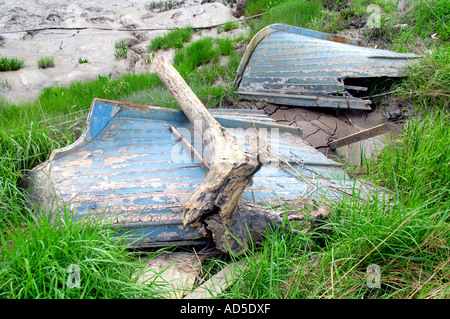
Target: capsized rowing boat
x=130 y=169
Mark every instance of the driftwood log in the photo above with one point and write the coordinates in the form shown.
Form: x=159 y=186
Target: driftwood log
x=213 y=207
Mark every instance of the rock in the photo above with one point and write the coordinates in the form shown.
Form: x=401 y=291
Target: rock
x=176 y=273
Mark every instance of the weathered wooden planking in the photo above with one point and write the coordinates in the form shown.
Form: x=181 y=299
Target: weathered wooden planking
x=299 y=67
x=129 y=168
x=362 y=135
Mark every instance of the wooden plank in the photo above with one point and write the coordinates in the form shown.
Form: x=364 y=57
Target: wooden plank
x=359 y=136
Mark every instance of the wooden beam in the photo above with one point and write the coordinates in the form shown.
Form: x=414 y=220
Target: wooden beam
x=362 y=135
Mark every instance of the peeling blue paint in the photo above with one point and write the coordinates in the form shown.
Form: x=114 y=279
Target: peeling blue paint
x=127 y=174
x=293 y=66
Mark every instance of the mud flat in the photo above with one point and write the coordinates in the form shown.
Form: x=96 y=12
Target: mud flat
x=70 y=30
x=320 y=127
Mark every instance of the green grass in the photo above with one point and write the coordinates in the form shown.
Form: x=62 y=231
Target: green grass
x=63 y=101
x=121 y=51
x=37 y=258
x=23 y=147
x=197 y=53
x=46 y=62
x=156 y=96
x=437 y=11
x=306 y=14
x=173 y=39
x=428 y=81
x=226 y=46
x=10 y=64
x=82 y=60
x=201 y=52
x=199 y=64
x=122 y=44
x=418 y=164
x=228 y=26
x=260 y=6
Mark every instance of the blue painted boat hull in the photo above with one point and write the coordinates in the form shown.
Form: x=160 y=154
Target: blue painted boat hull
x=128 y=169
x=293 y=66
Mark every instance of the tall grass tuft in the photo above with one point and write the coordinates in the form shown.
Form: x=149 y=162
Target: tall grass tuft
x=418 y=163
x=10 y=64
x=46 y=62
x=197 y=53
x=201 y=52
x=121 y=51
x=428 y=81
x=228 y=26
x=173 y=39
x=23 y=147
x=61 y=102
x=306 y=14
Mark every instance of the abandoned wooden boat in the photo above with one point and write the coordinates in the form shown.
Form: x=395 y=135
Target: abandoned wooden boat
x=129 y=168
x=299 y=67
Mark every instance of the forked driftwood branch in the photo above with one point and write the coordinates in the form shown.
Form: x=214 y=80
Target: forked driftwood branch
x=213 y=207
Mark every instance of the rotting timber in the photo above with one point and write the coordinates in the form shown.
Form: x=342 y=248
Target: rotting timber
x=213 y=207
x=129 y=169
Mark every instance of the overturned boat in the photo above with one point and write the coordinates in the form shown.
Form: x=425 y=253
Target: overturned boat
x=299 y=67
x=168 y=178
